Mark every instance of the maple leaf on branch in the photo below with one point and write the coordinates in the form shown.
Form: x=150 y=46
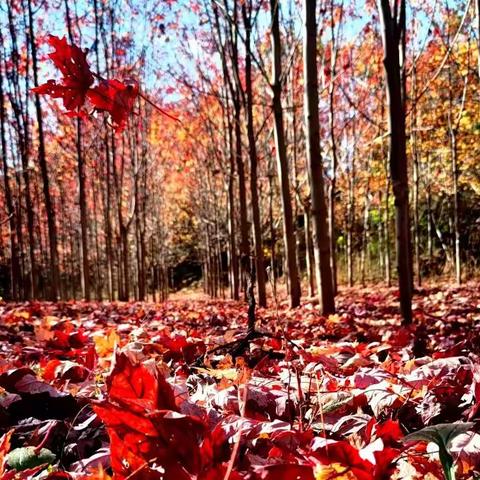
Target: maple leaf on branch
x=111 y=96
x=114 y=97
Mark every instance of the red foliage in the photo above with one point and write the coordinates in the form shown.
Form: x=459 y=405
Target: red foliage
x=324 y=405
x=115 y=98
x=111 y=96
x=77 y=77
x=148 y=437
x=344 y=454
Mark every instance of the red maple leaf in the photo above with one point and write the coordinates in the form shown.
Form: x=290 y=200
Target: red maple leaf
x=139 y=388
x=116 y=98
x=77 y=77
x=149 y=438
x=345 y=454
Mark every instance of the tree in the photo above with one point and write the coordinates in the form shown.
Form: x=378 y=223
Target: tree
x=281 y=155
x=393 y=36
x=252 y=152
x=14 y=260
x=42 y=160
x=321 y=241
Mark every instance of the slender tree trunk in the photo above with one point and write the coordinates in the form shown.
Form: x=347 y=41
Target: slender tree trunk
x=456 y=223
x=108 y=221
x=309 y=251
x=231 y=217
x=252 y=151
x=351 y=215
x=273 y=240
x=12 y=221
x=22 y=128
x=296 y=187
x=82 y=198
x=453 y=131
x=84 y=253
x=242 y=197
x=333 y=141
x=393 y=31
x=42 y=160
x=321 y=241
x=415 y=158
x=429 y=212
x=282 y=164
x=366 y=228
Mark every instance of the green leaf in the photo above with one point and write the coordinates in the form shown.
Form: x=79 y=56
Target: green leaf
x=27 y=457
x=442 y=435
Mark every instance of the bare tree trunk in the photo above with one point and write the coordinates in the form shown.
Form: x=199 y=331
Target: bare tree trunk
x=333 y=140
x=14 y=261
x=82 y=199
x=393 y=31
x=282 y=164
x=255 y=202
x=98 y=265
x=456 y=224
x=366 y=228
x=429 y=212
x=415 y=156
x=231 y=216
x=321 y=241
x=244 y=247
x=351 y=214
x=309 y=251
x=453 y=124
x=51 y=218
x=22 y=129
x=110 y=158
x=296 y=187
x=273 y=240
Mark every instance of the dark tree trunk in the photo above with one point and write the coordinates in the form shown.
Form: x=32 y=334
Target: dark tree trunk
x=82 y=198
x=231 y=216
x=282 y=163
x=252 y=151
x=393 y=31
x=321 y=241
x=12 y=221
x=42 y=160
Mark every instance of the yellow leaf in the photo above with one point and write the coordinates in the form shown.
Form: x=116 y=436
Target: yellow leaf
x=335 y=471
x=104 y=345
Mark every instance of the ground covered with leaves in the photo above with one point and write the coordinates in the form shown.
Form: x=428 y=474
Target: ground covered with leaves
x=145 y=391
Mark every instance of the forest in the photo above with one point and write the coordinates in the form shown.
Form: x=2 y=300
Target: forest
x=239 y=239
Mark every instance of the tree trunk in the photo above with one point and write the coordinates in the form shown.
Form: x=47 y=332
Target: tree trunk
x=252 y=151
x=351 y=215
x=456 y=223
x=309 y=251
x=231 y=216
x=333 y=140
x=321 y=241
x=282 y=164
x=393 y=30
x=273 y=240
x=14 y=261
x=82 y=199
x=429 y=212
x=51 y=218
x=415 y=157
x=366 y=228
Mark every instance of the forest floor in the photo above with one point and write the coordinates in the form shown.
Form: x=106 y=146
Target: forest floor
x=152 y=391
